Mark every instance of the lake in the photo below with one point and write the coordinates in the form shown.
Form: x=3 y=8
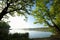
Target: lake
x=39 y=34
x=33 y=33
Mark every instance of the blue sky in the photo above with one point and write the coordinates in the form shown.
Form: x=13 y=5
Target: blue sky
x=18 y=23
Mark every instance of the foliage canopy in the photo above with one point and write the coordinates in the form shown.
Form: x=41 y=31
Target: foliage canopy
x=22 y=7
x=47 y=12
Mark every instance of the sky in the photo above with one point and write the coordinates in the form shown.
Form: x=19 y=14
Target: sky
x=18 y=22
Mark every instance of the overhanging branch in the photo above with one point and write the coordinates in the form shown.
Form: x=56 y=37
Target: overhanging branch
x=4 y=11
x=54 y=25
x=45 y=20
x=17 y=10
x=13 y=10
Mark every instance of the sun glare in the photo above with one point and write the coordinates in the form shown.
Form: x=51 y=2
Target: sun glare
x=18 y=22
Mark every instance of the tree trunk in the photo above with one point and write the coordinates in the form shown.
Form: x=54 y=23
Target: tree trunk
x=4 y=11
x=56 y=27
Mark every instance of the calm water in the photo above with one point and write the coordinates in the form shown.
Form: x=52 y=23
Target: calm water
x=39 y=34
x=34 y=34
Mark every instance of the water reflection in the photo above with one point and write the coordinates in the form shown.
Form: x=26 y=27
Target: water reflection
x=33 y=34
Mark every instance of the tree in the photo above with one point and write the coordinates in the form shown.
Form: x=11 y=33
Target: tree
x=4 y=26
x=4 y=30
x=15 y=6
x=18 y=36
x=11 y=7
x=47 y=12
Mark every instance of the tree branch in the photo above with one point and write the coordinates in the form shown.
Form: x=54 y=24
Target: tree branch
x=17 y=10
x=54 y=25
x=14 y=10
x=4 y=11
x=45 y=20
